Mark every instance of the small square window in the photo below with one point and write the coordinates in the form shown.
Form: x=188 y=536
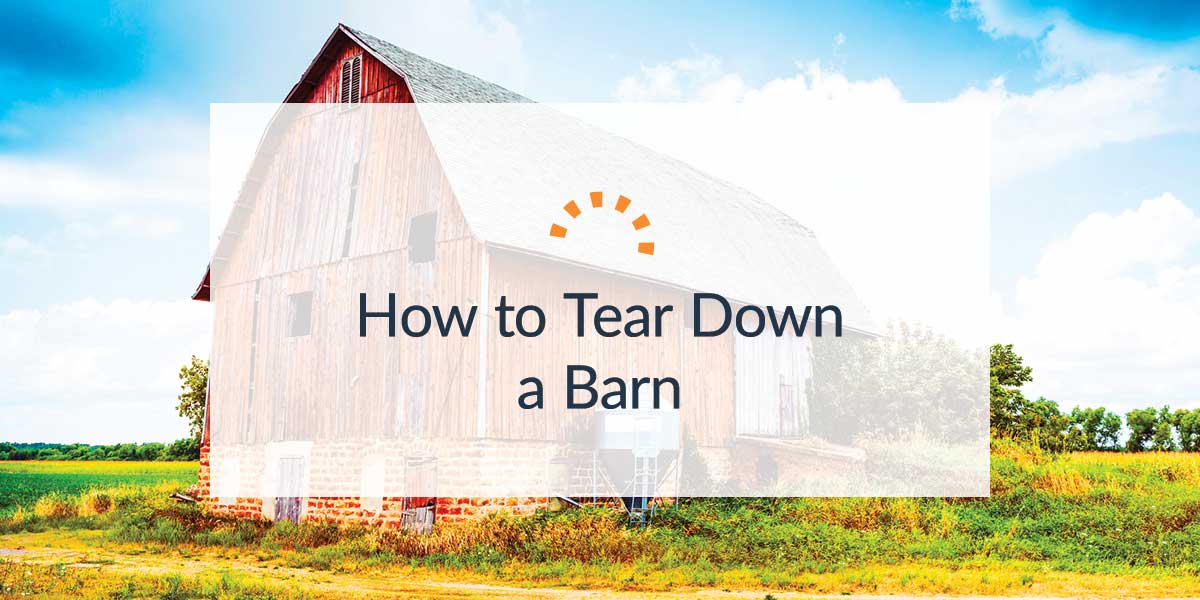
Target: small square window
x=300 y=314
x=422 y=232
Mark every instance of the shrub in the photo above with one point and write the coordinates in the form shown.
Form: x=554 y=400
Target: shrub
x=55 y=506
x=20 y=517
x=453 y=539
x=305 y=535
x=95 y=502
x=592 y=534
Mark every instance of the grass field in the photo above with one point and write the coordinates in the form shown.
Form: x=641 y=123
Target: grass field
x=23 y=482
x=1083 y=524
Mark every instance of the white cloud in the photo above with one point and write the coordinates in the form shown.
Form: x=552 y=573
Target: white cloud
x=1121 y=88
x=51 y=183
x=702 y=79
x=20 y=246
x=85 y=233
x=117 y=361
x=998 y=18
x=129 y=156
x=1068 y=47
x=1032 y=131
x=674 y=80
x=815 y=83
x=151 y=227
x=1112 y=312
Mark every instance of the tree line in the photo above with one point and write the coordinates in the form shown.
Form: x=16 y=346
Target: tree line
x=912 y=380
x=1041 y=422
x=182 y=449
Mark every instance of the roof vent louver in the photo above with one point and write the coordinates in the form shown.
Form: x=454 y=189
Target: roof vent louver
x=351 y=88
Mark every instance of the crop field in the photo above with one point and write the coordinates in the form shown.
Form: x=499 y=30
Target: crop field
x=23 y=482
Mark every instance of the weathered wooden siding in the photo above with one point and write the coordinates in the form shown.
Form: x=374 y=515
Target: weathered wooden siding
x=703 y=366
x=379 y=83
x=293 y=239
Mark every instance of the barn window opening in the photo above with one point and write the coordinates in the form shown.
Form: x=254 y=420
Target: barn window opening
x=351 y=88
x=422 y=231
x=299 y=314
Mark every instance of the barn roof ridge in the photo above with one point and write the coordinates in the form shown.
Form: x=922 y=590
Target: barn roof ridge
x=429 y=80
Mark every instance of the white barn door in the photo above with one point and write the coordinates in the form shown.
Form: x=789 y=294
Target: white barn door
x=770 y=378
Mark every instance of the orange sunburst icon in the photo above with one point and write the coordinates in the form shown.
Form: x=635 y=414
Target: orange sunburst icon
x=597 y=198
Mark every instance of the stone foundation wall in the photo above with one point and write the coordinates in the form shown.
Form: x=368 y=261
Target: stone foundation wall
x=460 y=467
x=340 y=466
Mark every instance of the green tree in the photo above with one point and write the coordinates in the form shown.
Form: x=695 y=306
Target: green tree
x=1008 y=405
x=151 y=451
x=1109 y=432
x=182 y=449
x=1188 y=424
x=193 y=379
x=910 y=379
x=1142 y=424
x=1164 y=430
x=1043 y=424
x=1094 y=429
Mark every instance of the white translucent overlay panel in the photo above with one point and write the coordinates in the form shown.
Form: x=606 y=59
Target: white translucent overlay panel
x=598 y=301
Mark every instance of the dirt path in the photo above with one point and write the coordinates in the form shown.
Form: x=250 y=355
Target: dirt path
x=405 y=583
x=85 y=550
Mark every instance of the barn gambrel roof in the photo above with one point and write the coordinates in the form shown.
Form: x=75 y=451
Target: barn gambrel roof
x=431 y=81
x=723 y=238
x=427 y=80
x=513 y=167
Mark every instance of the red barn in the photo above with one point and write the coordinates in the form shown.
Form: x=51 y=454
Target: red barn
x=433 y=236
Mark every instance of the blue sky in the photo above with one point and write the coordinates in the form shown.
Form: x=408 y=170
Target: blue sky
x=103 y=150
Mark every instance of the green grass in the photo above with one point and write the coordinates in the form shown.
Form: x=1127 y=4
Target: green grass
x=23 y=482
x=66 y=581
x=1112 y=520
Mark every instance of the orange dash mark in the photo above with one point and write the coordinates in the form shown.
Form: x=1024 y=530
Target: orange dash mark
x=572 y=209
x=641 y=222
x=646 y=248
x=558 y=231
x=597 y=199
x=622 y=203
